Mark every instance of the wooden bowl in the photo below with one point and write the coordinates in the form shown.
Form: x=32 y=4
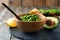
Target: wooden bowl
x=30 y=26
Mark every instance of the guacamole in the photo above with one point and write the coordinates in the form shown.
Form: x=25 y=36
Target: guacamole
x=30 y=17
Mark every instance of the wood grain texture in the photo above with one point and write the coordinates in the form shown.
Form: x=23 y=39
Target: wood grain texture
x=39 y=3
x=4 y=1
x=36 y=3
x=51 y=3
x=28 y=3
x=59 y=3
x=17 y=3
x=5 y=31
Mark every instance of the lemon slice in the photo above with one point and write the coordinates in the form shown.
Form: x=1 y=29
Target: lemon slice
x=11 y=22
x=33 y=11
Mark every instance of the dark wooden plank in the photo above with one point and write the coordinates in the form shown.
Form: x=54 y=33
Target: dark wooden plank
x=51 y=3
x=59 y=3
x=17 y=3
x=28 y=3
x=39 y=3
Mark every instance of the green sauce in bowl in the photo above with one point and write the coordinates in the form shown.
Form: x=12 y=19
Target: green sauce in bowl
x=30 y=17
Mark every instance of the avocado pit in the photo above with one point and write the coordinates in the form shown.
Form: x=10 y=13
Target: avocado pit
x=49 y=22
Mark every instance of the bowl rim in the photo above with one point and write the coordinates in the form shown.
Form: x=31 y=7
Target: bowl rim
x=27 y=21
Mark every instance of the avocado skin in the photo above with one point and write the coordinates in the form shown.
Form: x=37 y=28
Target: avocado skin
x=50 y=29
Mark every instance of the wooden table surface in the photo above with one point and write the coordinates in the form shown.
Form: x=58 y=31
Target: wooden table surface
x=4 y=16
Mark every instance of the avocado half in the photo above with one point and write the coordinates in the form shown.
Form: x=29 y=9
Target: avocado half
x=51 y=23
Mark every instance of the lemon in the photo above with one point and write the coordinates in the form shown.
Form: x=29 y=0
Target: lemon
x=11 y=22
x=33 y=11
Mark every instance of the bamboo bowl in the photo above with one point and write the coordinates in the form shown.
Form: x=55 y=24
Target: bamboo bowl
x=30 y=26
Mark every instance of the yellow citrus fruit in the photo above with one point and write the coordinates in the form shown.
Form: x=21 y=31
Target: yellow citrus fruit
x=11 y=22
x=33 y=11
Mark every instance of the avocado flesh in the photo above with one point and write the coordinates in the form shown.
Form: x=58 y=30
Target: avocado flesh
x=54 y=26
x=58 y=12
x=42 y=11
